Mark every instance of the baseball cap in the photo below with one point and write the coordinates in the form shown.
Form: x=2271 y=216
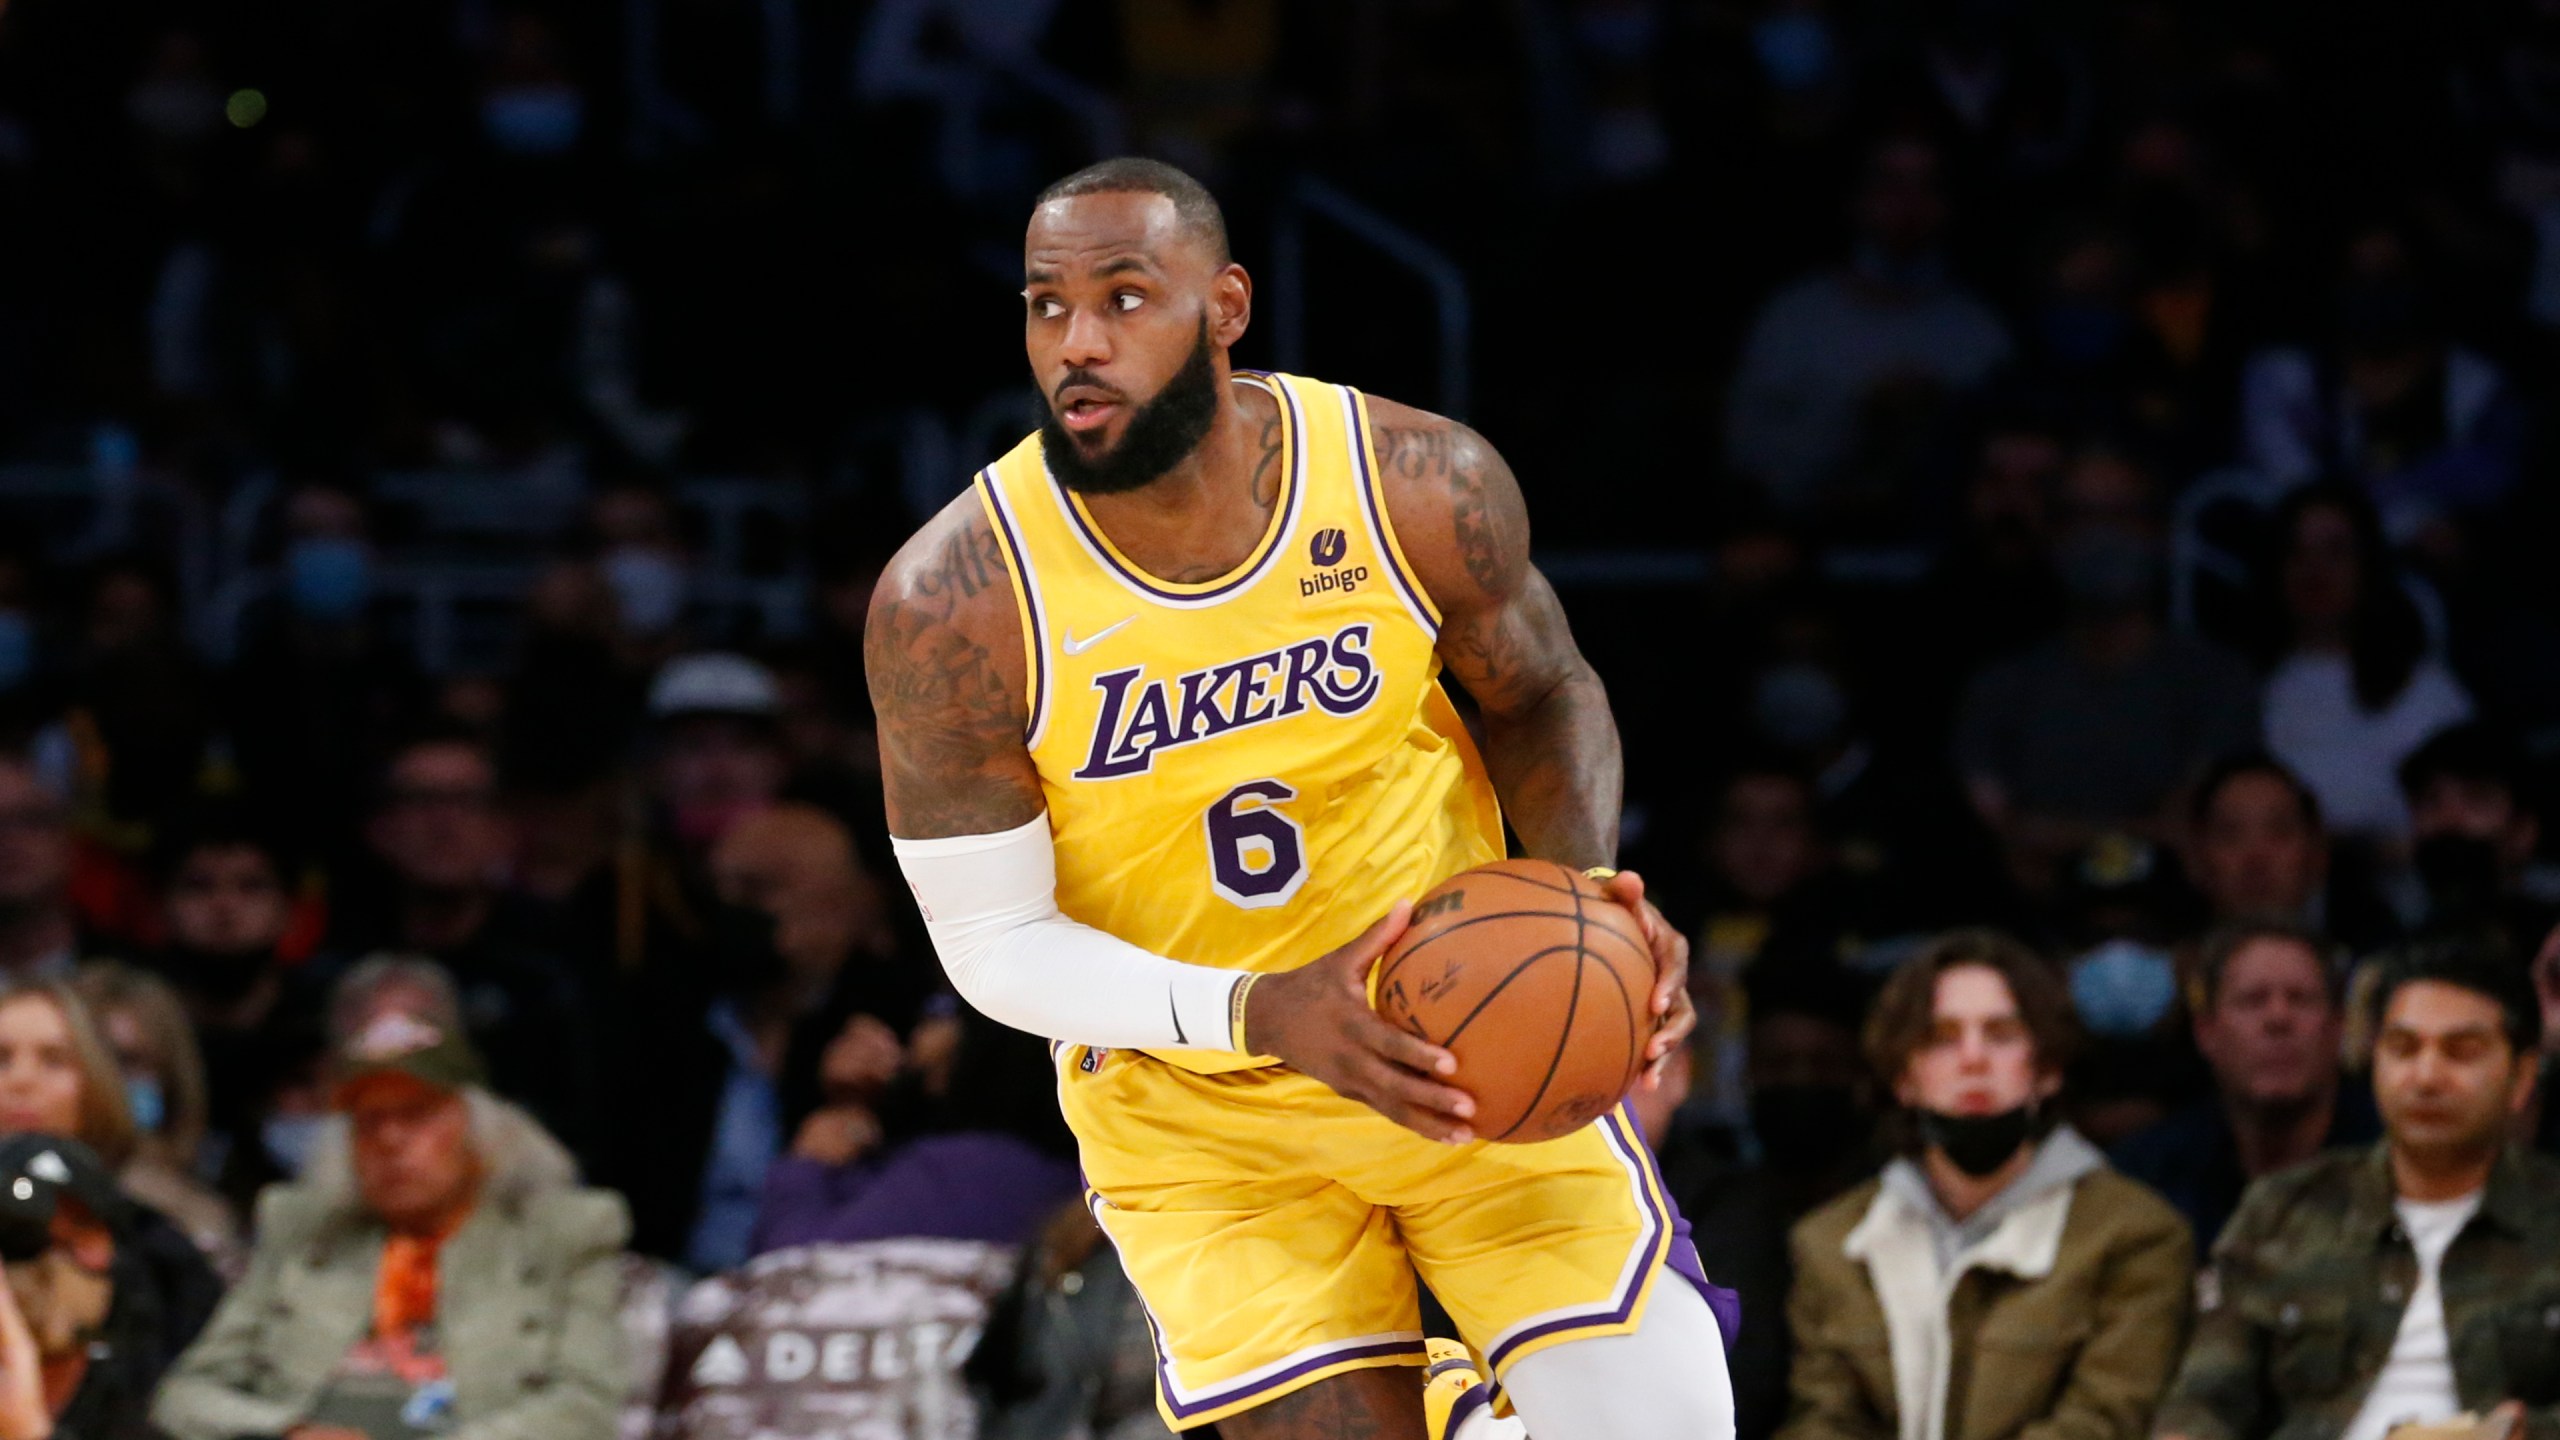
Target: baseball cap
x=396 y=1042
x=713 y=683
x=36 y=1171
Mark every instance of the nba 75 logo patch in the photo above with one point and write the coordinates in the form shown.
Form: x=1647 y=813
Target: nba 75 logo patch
x=1326 y=551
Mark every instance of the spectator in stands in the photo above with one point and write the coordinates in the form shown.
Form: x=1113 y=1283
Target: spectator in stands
x=1994 y=591
x=2430 y=428
x=2101 y=727
x=146 y=1029
x=2256 y=850
x=315 y=685
x=39 y=937
x=58 y=1079
x=256 y=1020
x=793 y=963
x=1068 y=1349
x=88 y=1325
x=1995 y=1232
x=443 y=842
x=2268 y=1020
x=2441 y=1237
x=1813 y=1124
x=2351 y=689
x=141 y=696
x=1832 y=355
x=980 y=1163
x=2474 y=827
x=439 y=1271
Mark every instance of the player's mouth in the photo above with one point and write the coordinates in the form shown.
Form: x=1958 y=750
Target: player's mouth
x=1087 y=413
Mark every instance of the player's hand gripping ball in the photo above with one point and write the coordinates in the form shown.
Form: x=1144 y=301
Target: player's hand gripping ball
x=1538 y=982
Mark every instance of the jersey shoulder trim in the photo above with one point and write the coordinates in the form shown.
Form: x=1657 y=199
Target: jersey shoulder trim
x=1026 y=599
x=1373 y=508
x=1275 y=540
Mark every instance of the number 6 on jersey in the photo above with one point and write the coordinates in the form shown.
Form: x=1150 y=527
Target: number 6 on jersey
x=1257 y=854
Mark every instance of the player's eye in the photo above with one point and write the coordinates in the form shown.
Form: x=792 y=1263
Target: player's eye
x=1047 y=308
x=1128 y=300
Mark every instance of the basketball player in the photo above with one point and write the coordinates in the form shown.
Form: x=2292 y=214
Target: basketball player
x=1167 y=761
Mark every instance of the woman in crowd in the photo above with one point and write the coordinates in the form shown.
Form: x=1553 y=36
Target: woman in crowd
x=2351 y=690
x=58 y=1080
x=1997 y=1278
x=145 y=1027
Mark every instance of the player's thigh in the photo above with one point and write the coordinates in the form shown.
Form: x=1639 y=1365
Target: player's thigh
x=1533 y=1245
x=1664 y=1381
x=1366 y=1404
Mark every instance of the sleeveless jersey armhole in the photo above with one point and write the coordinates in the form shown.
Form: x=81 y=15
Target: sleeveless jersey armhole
x=1373 y=507
x=1026 y=606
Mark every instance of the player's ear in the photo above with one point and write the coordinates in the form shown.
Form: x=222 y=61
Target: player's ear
x=1230 y=305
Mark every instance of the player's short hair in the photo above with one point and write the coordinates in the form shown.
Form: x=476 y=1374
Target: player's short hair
x=1905 y=1012
x=1193 y=205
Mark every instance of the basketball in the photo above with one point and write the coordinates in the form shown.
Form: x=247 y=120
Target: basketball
x=1537 y=982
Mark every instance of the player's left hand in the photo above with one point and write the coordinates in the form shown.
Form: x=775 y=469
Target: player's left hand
x=1675 y=1015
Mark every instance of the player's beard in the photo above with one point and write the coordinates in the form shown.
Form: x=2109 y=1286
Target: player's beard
x=1160 y=434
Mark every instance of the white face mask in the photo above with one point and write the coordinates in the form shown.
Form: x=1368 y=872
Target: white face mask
x=2122 y=987
x=648 y=588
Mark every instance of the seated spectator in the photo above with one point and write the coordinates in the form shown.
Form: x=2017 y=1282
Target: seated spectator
x=794 y=961
x=1833 y=353
x=39 y=935
x=985 y=1163
x=87 y=1325
x=2100 y=727
x=2473 y=829
x=2432 y=429
x=443 y=843
x=256 y=1019
x=442 y=1272
x=1068 y=1350
x=2256 y=850
x=58 y=1079
x=2351 y=689
x=2269 y=1023
x=143 y=1026
x=2442 y=1238
x=1998 y=1278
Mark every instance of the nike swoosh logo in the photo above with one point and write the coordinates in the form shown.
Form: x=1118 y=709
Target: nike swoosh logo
x=1075 y=646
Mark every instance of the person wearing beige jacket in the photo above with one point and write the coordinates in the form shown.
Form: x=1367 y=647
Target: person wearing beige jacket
x=1998 y=1282
x=438 y=1272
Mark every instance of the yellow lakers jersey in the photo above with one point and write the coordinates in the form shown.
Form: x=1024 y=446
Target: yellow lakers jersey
x=1248 y=771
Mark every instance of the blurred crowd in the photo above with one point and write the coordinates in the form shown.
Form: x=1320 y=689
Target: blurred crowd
x=2096 y=487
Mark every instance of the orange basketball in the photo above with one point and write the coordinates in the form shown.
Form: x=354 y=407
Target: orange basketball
x=1537 y=982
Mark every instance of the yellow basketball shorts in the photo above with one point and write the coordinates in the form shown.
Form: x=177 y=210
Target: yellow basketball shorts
x=1274 y=1229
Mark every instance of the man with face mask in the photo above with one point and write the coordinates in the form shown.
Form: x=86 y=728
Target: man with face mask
x=228 y=908
x=2098 y=728
x=1995 y=1235
x=2473 y=830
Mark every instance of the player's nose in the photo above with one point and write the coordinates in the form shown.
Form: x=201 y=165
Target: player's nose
x=1087 y=341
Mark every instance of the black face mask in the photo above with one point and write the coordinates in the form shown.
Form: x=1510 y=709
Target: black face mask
x=1160 y=435
x=1803 y=1128
x=219 y=976
x=743 y=946
x=2459 y=871
x=1978 y=1144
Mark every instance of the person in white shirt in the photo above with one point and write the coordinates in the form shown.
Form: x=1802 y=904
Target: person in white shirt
x=2413 y=1283
x=2351 y=690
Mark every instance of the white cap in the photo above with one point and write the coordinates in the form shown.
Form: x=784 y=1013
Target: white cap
x=714 y=684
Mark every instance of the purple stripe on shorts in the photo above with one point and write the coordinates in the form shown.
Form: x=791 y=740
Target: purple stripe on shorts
x=1622 y=1138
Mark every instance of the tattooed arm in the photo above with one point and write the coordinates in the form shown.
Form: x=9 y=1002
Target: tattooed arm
x=943 y=654
x=1549 y=738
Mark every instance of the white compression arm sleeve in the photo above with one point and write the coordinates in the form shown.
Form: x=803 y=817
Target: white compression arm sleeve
x=990 y=903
